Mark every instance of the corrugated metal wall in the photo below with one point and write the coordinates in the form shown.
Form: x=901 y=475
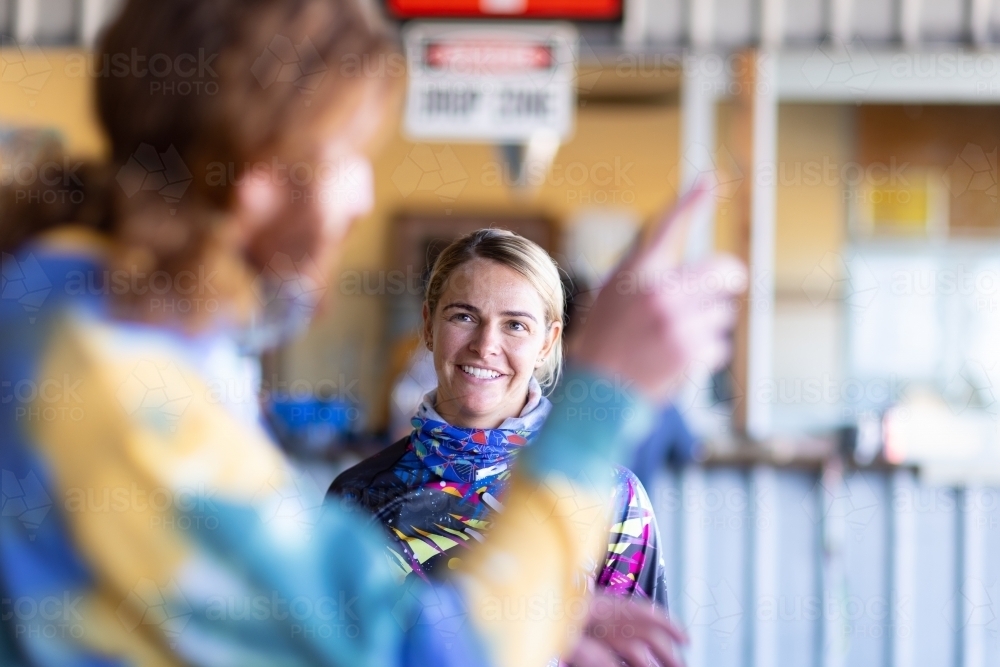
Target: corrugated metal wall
x=790 y=567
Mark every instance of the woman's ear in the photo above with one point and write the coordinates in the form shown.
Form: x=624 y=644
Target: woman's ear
x=551 y=336
x=428 y=328
x=258 y=199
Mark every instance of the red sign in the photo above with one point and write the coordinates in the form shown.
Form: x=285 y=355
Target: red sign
x=487 y=57
x=572 y=10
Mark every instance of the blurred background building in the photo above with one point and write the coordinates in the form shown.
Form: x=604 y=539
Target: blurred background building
x=843 y=505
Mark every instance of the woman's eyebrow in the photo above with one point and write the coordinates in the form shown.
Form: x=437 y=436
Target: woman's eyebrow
x=518 y=313
x=464 y=306
x=473 y=309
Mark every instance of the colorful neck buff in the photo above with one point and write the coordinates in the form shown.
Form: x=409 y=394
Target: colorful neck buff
x=473 y=455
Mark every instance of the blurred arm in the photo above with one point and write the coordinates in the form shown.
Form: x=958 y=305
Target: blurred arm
x=245 y=565
x=527 y=586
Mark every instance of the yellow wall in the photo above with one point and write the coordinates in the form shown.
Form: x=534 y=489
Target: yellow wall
x=48 y=89
x=811 y=215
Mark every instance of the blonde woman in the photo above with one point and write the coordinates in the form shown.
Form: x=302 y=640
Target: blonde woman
x=493 y=319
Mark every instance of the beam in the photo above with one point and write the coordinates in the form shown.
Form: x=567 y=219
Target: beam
x=952 y=76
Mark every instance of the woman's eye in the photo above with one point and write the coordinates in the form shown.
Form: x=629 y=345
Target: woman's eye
x=462 y=317
x=518 y=326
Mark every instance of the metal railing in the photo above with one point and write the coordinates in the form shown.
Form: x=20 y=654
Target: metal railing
x=799 y=567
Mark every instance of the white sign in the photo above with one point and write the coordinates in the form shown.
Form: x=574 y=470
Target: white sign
x=490 y=82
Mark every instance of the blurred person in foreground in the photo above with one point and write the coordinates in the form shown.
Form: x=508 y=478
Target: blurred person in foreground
x=147 y=518
x=493 y=320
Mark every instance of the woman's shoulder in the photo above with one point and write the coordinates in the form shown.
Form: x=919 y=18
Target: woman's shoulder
x=629 y=489
x=354 y=480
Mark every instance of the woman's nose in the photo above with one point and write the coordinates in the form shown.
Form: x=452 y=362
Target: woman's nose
x=486 y=341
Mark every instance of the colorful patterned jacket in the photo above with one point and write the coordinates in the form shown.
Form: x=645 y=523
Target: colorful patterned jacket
x=432 y=522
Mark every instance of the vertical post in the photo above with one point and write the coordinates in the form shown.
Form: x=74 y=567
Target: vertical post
x=772 y=23
x=91 y=20
x=703 y=82
x=26 y=20
x=972 y=582
x=762 y=238
x=698 y=119
x=701 y=23
x=979 y=22
x=693 y=562
x=634 y=23
x=903 y=570
x=835 y=628
x=909 y=22
x=839 y=20
x=765 y=557
x=755 y=141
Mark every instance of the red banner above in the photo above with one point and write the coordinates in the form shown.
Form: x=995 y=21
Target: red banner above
x=570 y=10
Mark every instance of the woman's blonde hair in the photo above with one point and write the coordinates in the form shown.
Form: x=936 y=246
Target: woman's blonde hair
x=523 y=256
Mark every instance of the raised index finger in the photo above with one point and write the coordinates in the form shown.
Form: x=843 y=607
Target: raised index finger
x=663 y=248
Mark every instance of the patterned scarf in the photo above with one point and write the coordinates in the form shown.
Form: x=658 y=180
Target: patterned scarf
x=474 y=455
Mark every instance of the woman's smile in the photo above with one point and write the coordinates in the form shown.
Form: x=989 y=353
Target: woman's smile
x=480 y=373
